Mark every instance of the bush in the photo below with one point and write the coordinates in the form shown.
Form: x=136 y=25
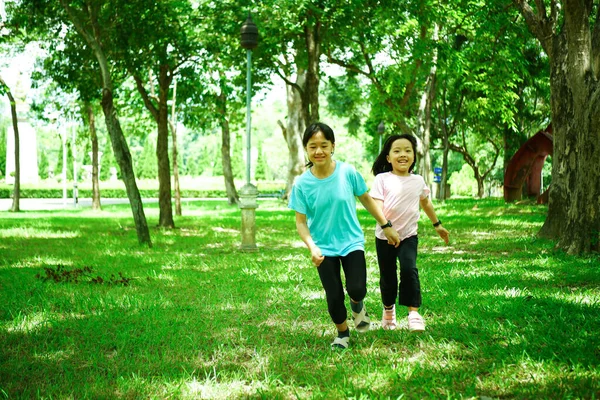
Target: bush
x=463 y=182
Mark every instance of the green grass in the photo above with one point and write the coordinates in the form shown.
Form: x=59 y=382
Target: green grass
x=507 y=316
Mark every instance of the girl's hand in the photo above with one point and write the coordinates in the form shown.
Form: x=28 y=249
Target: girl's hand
x=443 y=232
x=317 y=257
x=392 y=236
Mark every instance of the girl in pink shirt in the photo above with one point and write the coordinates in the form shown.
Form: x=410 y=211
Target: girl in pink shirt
x=400 y=193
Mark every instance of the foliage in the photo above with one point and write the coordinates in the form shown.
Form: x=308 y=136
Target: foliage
x=200 y=319
x=146 y=163
x=262 y=168
x=58 y=170
x=43 y=165
x=107 y=162
x=463 y=183
x=238 y=163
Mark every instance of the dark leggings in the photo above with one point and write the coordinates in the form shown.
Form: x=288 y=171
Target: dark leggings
x=355 y=271
x=409 y=290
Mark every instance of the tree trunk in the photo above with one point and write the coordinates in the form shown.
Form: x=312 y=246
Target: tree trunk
x=424 y=115
x=94 y=138
x=573 y=206
x=312 y=36
x=165 y=219
x=173 y=125
x=160 y=113
x=480 y=186
x=574 y=53
x=232 y=195
x=123 y=157
x=15 y=121
x=292 y=133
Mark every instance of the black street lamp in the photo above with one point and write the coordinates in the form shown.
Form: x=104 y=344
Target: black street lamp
x=380 y=130
x=249 y=41
x=248 y=193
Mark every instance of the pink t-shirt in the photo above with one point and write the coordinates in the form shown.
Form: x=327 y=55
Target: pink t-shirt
x=401 y=196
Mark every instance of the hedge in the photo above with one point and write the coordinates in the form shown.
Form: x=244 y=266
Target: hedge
x=56 y=193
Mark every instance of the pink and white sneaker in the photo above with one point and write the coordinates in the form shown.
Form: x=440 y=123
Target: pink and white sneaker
x=415 y=322
x=388 y=319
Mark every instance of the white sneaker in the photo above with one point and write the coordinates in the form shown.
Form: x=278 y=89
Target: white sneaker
x=415 y=322
x=388 y=319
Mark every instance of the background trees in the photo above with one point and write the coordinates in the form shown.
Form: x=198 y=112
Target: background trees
x=467 y=78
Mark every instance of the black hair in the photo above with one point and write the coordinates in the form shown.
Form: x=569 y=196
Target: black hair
x=381 y=163
x=313 y=129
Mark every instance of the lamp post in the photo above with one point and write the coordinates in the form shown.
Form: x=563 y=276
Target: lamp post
x=380 y=130
x=75 y=171
x=249 y=192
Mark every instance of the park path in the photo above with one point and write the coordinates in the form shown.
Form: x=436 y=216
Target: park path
x=60 y=204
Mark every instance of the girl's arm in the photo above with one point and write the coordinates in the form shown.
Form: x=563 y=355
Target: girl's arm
x=302 y=227
x=427 y=206
x=376 y=211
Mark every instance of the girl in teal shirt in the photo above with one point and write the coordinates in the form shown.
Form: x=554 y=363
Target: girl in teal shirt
x=324 y=198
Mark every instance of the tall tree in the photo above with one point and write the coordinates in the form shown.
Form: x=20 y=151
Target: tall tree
x=13 y=112
x=569 y=33
x=92 y=20
x=154 y=45
x=85 y=19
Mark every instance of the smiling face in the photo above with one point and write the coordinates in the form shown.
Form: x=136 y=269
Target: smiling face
x=401 y=156
x=319 y=150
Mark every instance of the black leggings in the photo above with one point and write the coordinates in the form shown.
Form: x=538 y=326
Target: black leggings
x=409 y=290
x=355 y=271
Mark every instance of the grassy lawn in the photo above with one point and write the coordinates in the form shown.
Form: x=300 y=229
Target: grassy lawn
x=87 y=313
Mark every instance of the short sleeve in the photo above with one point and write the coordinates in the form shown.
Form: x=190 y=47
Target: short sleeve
x=297 y=202
x=425 y=190
x=377 y=189
x=359 y=185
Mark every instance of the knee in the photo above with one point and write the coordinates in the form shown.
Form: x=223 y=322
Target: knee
x=357 y=292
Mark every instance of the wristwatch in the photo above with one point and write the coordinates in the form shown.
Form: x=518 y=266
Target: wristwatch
x=438 y=223
x=388 y=225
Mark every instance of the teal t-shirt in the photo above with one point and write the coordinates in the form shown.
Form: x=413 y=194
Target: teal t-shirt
x=330 y=208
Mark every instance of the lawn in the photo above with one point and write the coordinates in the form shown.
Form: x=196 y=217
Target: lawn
x=85 y=312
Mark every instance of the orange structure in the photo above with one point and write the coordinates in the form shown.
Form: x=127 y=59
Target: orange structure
x=525 y=167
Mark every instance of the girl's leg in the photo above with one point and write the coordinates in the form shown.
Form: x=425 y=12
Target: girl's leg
x=410 y=286
x=388 y=282
x=355 y=270
x=388 y=269
x=329 y=272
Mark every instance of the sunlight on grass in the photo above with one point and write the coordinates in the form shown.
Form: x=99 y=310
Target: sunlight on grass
x=56 y=356
x=31 y=322
x=36 y=233
x=509 y=293
x=574 y=296
x=218 y=229
x=210 y=388
x=543 y=276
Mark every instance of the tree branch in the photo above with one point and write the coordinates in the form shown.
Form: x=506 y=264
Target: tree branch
x=350 y=67
x=292 y=84
x=146 y=97
x=538 y=24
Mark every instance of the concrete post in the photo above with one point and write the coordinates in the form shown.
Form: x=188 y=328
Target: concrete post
x=248 y=204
